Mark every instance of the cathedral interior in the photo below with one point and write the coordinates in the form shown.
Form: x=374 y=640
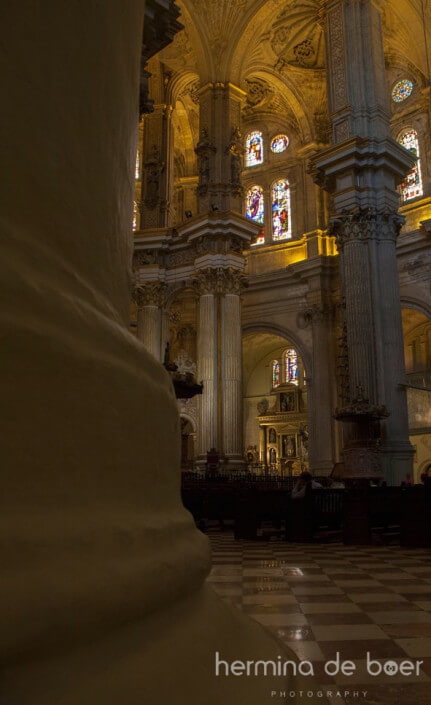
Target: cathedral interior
x=215 y=223
x=239 y=230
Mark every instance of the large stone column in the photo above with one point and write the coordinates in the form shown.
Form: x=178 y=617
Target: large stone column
x=103 y=593
x=220 y=363
x=157 y=157
x=232 y=416
x=361 y=171
x=220 y=147
x=149 y=300
x=321 y=452
x=207 y=363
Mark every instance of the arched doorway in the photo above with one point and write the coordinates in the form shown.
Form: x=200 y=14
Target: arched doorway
x=417 y=353
x=275 y=394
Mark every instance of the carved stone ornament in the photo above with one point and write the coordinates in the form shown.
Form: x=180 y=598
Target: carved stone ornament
x=366 y=224
x=204 y=149
x=154 y=167
x=150 y=294
x=144 y=257
x=184 y=364
x=235 y=149
x=258 y=92
x=219 y=281
x=318 y=313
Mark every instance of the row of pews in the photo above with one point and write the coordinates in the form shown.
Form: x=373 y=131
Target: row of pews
x=357 y=516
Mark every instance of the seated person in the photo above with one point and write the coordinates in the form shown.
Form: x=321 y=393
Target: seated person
x=304 y=484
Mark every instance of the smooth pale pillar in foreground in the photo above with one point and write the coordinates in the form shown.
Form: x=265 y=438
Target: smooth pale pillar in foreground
x=102 y=582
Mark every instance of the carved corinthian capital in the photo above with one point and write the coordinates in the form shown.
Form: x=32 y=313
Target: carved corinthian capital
x=150 y=294
x=219 y=281
x=364 y=225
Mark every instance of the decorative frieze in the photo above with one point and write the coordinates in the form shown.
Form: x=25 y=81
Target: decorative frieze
x=337 y=57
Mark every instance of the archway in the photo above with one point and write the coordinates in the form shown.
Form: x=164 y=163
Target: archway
x=275 y=397
x=417 y=353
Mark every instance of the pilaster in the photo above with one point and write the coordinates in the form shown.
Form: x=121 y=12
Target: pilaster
x=220 y=148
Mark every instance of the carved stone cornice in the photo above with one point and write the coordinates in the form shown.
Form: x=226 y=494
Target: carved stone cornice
x=219 y=281
x=364 y=225
x=150 y=294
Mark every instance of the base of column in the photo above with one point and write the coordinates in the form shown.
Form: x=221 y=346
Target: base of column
x=397 y=461
x=321 y=468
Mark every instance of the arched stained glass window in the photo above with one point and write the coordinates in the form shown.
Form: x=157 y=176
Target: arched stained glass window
x=255 y=204
x=255 y=209
x=275 y=373
x=412 y=185
x=135 y=216
x=402 y=90
x=254 y=149
x=291 y=366
x=281 y=216
x=279 y=144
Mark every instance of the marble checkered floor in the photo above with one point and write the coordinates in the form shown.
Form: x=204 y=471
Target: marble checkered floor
x=320 y=599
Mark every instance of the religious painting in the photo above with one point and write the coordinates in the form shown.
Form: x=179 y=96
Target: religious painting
x=287 y=401
x=272 y=436
x=288 y=446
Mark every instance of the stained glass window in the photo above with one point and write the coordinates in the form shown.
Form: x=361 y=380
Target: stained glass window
x=412 y=184
x=279 y=144
x=402 y=90
x=291 y=366
x=135 y=216
x=281 y=217
x=275 y=373
x=137 y=166
x=254 y=149
x=255 y=209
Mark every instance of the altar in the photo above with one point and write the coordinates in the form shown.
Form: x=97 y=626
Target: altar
x=283 y=433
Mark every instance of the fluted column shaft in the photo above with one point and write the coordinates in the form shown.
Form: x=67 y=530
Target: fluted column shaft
x=375 y=342
x=220 y=362
x=232 y=368
x=361 y=171
x=149 y=299
x=207 y=373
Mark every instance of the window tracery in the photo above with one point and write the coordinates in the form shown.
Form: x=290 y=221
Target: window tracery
x=402 y=90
